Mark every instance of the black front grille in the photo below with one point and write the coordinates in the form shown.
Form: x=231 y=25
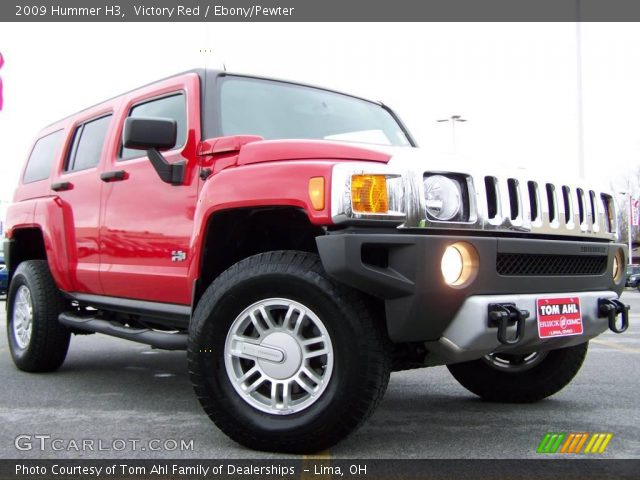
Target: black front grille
x=524 y=264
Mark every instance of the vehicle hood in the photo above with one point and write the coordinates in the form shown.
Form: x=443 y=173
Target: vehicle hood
x=283 y=150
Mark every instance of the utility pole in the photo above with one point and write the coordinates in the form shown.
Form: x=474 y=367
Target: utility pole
x=453 y=119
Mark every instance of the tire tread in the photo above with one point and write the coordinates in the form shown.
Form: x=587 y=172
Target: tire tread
x=547 y=378
x=373 y=342
x=49 y=339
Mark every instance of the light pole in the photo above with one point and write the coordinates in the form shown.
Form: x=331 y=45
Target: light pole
x=581 y=166
x=453 y=119
x=630 y=224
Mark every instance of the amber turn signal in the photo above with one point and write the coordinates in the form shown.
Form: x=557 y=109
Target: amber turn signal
x=316 y=192
x=369 y=194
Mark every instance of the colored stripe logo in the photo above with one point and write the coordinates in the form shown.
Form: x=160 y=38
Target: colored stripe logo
x=575 y=442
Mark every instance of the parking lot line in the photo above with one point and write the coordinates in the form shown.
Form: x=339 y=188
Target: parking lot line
x=616 y=346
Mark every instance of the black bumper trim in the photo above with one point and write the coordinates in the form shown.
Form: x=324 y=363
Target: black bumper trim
x=418 y=304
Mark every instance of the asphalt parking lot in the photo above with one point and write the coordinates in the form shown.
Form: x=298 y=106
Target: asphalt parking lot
x=110 y=390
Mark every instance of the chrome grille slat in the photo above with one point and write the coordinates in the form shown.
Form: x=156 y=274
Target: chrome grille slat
x=552 y=205
x=561 y=217
x=495 y=217
x=535 y=210
x=595 y=213
x=568 y=207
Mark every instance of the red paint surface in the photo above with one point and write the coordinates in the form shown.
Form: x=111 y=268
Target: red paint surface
x=117 y=238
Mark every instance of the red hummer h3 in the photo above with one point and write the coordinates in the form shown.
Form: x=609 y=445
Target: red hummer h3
x=300 y=247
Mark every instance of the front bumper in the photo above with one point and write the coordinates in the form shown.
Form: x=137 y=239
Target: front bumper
x=421 y=307
x=466 y=338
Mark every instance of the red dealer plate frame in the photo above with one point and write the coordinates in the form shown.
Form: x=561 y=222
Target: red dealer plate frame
x=559 y=317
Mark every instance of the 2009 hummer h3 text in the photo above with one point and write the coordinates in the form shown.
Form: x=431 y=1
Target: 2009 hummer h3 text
x=300 y=248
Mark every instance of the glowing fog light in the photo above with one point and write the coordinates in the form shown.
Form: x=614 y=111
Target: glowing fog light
x=459 y=264
x=618 y=260
x=452 y=265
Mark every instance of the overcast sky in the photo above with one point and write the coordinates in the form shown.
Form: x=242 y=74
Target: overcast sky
x=516 y=83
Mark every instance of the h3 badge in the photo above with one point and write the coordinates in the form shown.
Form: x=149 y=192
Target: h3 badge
x=178 y=256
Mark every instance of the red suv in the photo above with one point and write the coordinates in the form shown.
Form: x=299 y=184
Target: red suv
x=300 y=247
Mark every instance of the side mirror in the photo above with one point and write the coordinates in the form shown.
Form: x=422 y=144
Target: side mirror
x=153 y=134
x=147 y=133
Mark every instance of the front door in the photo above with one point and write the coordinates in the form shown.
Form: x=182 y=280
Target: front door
x=147 y=224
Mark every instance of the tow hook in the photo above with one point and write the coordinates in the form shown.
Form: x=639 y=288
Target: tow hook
x=611 y=308
x=502 y=315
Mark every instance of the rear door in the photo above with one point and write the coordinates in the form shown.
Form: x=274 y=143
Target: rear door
x=78 y=186
x=147 y=224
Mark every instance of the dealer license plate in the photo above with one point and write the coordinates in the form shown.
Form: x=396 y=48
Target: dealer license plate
x=559 y=317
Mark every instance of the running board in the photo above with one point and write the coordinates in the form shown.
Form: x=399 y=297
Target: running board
x=157 y=339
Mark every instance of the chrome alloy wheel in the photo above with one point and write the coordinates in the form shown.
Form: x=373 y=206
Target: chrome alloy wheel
x=22 y=317
x=278 y=356
x=515 y=363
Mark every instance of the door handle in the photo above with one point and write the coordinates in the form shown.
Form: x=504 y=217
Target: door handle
x=115 y=176
x=61 y=186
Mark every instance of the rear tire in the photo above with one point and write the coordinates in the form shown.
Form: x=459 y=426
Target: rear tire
x=504 y=379
x=37 y=341
x=352 y=373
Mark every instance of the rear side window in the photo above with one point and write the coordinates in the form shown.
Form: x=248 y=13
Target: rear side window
x=173 y=107
x=88 y=141
x=42 y=157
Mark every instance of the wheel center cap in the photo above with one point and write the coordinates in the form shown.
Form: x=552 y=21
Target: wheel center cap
x=292 y=360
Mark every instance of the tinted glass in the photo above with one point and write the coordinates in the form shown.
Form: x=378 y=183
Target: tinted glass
x=173 y=107
x=42 y=157
x=276 y=110
x=87 y=144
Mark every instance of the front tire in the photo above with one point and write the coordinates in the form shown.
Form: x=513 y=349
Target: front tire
x=520 y=378
x=284 y=359
x=37 y=341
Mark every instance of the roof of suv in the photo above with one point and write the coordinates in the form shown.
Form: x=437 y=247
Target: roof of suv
x=204 y=75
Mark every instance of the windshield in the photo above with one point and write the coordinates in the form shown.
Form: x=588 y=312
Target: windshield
x=276 y=110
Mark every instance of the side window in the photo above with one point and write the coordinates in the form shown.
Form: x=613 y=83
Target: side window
x=42 y=157
x=173 y=107
x=88 y=141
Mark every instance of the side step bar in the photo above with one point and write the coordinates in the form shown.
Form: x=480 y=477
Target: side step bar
x=157 y=339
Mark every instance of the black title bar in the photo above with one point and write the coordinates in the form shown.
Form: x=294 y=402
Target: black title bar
x=318 y=10
x=310 y=468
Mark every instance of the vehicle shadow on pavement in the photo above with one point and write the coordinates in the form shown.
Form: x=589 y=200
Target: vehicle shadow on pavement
x=439 y=419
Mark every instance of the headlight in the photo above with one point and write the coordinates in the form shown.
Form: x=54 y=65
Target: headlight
x=443 y=198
